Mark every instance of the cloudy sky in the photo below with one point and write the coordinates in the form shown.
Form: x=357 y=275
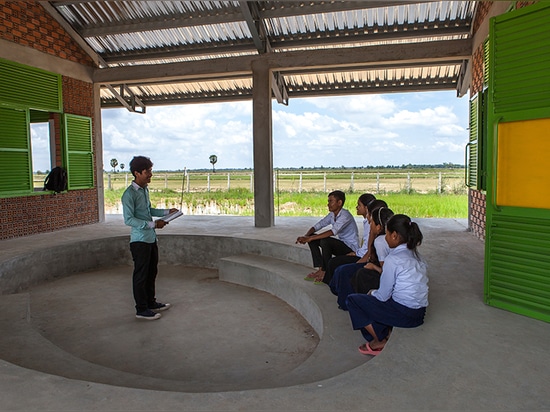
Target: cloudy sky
x=351 y=131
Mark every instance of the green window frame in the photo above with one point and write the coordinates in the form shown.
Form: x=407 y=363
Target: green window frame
x=79 y=151
x=476 y=149
x=15 y=151
x=30 y=87
x=29 y=95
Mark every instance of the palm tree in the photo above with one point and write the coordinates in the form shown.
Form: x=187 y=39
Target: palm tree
x=114 y=164
x=213 y=160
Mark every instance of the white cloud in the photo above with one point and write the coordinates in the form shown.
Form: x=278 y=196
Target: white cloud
x=347 y=130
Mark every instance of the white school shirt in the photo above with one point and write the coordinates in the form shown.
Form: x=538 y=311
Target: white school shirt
x=362 y=251
x=343 y=227
x=382 y=248
x=404 y=278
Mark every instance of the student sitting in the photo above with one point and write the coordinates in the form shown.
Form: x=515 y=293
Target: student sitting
x=402 y=297
x=362 y=209
x=340 y=239
x=368 y=277
x=354 y=278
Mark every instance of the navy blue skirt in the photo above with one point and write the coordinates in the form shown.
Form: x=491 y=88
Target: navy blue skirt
x=367 y=310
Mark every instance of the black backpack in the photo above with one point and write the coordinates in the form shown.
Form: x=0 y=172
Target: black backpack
x=56 y=180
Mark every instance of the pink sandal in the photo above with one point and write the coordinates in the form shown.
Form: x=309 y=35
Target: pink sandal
x=365 y=349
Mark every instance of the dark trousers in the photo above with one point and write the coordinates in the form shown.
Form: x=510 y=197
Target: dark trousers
x=146 y=257
x=323 y=249
x=335 y=263
x=367 y=310
x=340 y=284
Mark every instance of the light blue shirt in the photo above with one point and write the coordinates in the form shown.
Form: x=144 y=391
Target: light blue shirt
x=138 y=213
x=404 y=278
x=382 y=248
x=343 y=227
x=362 y=251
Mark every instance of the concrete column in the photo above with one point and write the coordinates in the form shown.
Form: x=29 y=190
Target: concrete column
x=264 y=215
x=98 y=153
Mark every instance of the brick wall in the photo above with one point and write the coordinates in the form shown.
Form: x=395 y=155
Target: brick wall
x=27 y=23
x=477 y=205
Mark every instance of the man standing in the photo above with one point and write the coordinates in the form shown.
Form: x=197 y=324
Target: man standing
x=138 y=214
x=342 y=238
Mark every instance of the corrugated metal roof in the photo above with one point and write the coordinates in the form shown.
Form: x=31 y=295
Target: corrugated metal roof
x=153 y=33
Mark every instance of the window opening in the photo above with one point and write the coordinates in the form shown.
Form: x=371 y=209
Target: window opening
x=41 y=152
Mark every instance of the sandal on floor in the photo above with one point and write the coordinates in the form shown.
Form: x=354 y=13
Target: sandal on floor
x=311 y=277
x=365 y=349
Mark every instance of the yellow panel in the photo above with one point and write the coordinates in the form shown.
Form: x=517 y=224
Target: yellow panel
x=523 y=168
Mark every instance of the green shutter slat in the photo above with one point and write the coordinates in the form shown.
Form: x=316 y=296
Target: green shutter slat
x=520 y=265
x=517 y=256
x=30 y=87
x=80 y=164
x=486 y=62
x=520 y=50
x=14 y=152
x=473 y=146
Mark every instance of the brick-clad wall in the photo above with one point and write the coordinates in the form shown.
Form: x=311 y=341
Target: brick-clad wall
x=22 y=216
x=482 y=10
x=78 y=97
x=477 y=205
x=27 y=23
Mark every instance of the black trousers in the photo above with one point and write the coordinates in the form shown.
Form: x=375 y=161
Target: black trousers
x=323 y=249
x=146 y=257
x=335 y=262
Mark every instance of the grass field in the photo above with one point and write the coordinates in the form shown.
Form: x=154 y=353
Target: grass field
x=438 y=193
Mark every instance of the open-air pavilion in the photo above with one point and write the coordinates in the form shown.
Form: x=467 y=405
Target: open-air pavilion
x=63 y=61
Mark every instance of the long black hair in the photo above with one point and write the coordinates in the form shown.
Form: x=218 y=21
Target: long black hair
x=407 y=229
x=375 y=204
x=381 y=216
x=366 y=199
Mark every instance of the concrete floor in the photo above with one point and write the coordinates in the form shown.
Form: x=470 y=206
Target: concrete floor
x=467 y=356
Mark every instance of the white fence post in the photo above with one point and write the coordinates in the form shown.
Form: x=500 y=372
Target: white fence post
x=187 y=178
x=300 y=184
x=166 y=180
x=228 y=181
x=351 y=184
x=325 y=182
x=208 y=182
x=377 y=182
x=439 y=186
x=408 y=183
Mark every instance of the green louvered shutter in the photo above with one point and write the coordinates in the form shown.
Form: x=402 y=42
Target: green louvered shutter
x=472 y=147
x=80 y=164
x=30 y=87
x=486 y=63
x=517 y=247
x=15 y=156
x=521 y=50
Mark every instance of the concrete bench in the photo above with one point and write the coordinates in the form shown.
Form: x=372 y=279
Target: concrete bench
x=62 y=257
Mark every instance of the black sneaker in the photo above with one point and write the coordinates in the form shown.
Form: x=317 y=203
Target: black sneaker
x=148 y=315
x=158 y=307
